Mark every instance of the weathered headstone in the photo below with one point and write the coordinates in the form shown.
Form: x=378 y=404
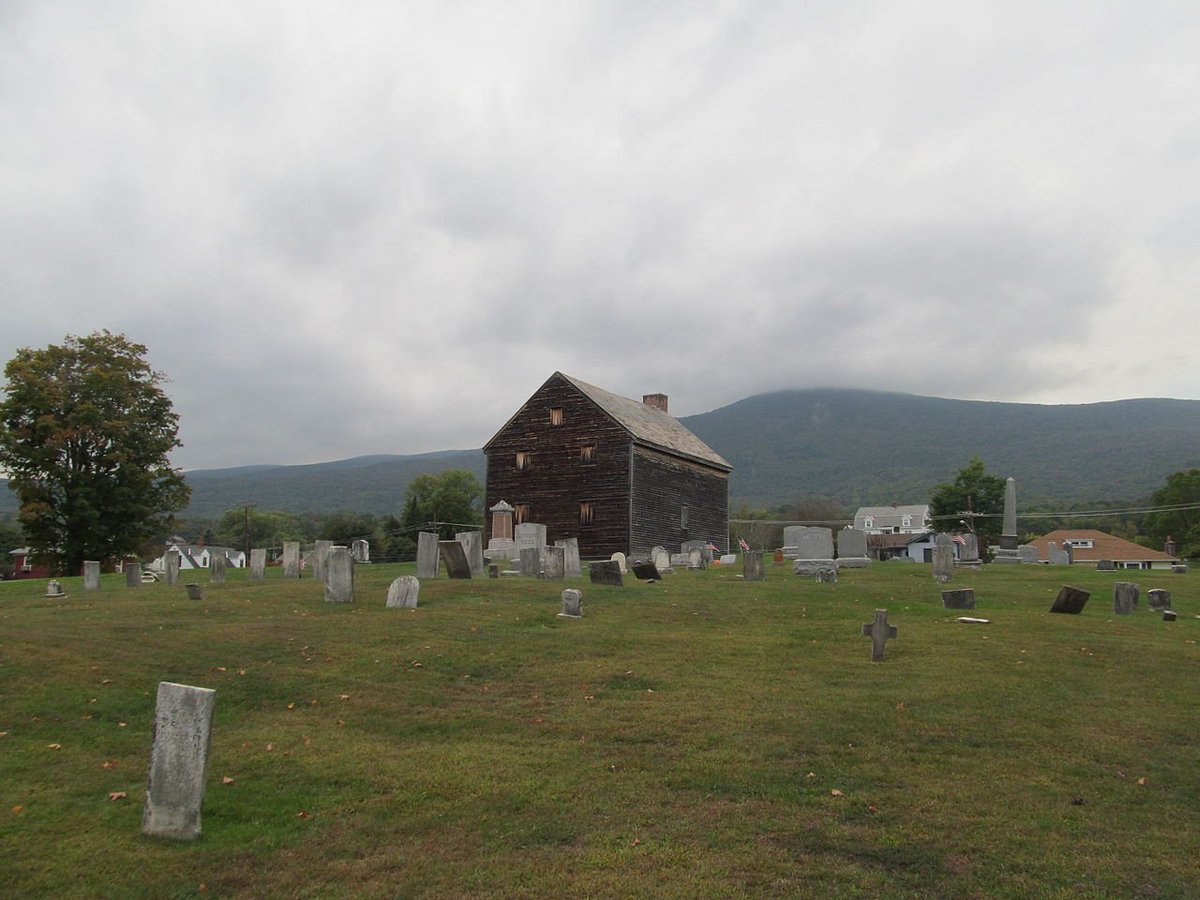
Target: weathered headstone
x=1179 y=569
x=1105 y=565
x=791 y=540
x=500 y=544
x=530 y=534
x=572 y=604
x=606 y=573
x=291 y=559
x=339 y=575
x=1125 y=597
x=1158 y=599
x=403 y=592
x=879 y=631
x=54 y=589
x=216 y=568
x=427 y=555
x=133 y=573
x=968 y=554
x=1055 y=556
x=455 y=558
x=572 y=568
x=827 y=574
x=963 y=598
x=695 y=558
x=679 y=560
x=816 y=543
x=1169 y=615
x=752 y=567
x=943 y=558
x=320 y=556
x=619 y=559
x=852 y=549
x=555 y=565
x=258 y=563
x=178 y=761
x=360 y=549
x=530 y=561
x=91 y=575
x=171 y=565
x=493 y=571
x=1027 y=554
x=1070 y=601
x=728 y=559
x=646 y=572
x=702 y=546
x=472 y=544
x=194 y=591
x=661 y=558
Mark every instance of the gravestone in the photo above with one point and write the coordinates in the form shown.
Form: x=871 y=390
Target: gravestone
x=791 y=540
x=572 y=604
x=171 y=565
x=1056 y=557
x=339 y=575
x=403 y=592
x=695 y=558
x=1070 y=601
x=752 y=567
x=91 y=575
x=702 y=546
x=216 y=568
x=879 y=631
x=360 y=549
x=194 y=591
x=178 y=761
x=258 y=563
x=572 y=568
x=679 y=559
x=1007 y=552
x=530 y=562
x=1158 y=599
x=555 y=564
x=816 y=543
x=493 y=571
x=728 y=559
x=827 y=575
x=472 y=544
x=133 y=573
x=455 y=558
x=500 y=544
x=320 y=555
x=427 y=555
x=963 y=598
x=812 y=566
x=943 y=558
x=606 y=573
x=646 y=572
x=1125 y=597
x=1105 y=565
x=968 y=556
x=852 y=549
x=1169 y=615
x=530 y=534
x=54 y=589
x=291 y=559
x=619 y=559
x=1027 y=554
x=661 y=558
x=1179 y=569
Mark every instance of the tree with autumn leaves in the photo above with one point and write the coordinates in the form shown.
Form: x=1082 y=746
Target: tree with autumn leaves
x=85 y=429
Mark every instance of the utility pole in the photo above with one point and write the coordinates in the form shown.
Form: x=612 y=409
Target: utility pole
x=246 y=536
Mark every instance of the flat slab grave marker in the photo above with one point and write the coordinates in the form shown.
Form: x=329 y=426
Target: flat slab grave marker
x=258 y=563
x=455 y=559
x=572 y=604
x=752 y=567
x=606 y=573
x=1125 y=597
x=91 y=575
x=1070 y=601
x=339 y=575
x=427 y=555
x=291 y=559
x=963 y=598
x=178 y=761
x=646 y=572
x=879 y=631
x=403 y=592
x=1158 y=599
x=133 y=573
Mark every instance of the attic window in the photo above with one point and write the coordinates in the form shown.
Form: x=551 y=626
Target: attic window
x=520 y=513
x=586 y=512
x=869 y=522
x=556 y=416
x=524 y=461
x=587 y=455
x=907 y=521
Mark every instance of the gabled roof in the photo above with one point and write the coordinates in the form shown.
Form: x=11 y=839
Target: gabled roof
x=1104 y=546
x=646 y=425
x=878 y=512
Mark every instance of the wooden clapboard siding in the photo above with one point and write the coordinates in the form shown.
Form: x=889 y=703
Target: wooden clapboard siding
x=662 y=485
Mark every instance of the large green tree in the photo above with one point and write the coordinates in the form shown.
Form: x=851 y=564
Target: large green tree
x=973 y=491
x=1180 y=523
x=451 y=498
x=85 y=429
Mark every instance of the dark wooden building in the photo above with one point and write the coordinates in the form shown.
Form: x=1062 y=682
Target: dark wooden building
x=614 y=473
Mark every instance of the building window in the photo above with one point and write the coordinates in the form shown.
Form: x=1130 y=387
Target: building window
x=869 y=522
x=587 y=455
x=524 y=461
x=587 y=512
x=556 y=416
x=907 y=521
x=520 y=513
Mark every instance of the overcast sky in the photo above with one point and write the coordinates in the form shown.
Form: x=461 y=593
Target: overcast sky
x=352 y=228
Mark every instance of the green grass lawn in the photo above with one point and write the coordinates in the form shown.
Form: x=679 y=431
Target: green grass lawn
x=692 y=738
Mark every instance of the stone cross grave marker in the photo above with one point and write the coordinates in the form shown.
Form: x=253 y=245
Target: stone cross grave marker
x=133 y=573
x=427 y=555
x=1070 y=601
x=91 y=575
x=1125 y=597
x=572 y=604
x=1158 y=599
x=258 y=563
x=291 y=559
x=964 y=598
x=171 y=564
x=216 y=568
x=879 y=631
x=339 y=575
x=752 y=567
x=455 y=559
x=472 y=544
x=403 y=592
x=178 y=761
x=606 y=573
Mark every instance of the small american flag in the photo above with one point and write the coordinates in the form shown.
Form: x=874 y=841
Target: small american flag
x=745 y=547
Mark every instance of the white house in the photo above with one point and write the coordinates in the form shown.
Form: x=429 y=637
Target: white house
x=893 y=519
x=192 y=556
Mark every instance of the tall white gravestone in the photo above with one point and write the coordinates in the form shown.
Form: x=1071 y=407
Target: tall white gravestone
x=339 y=575
x=291 y=559
x=178 y=761
x=91 y=575
x=258 y=563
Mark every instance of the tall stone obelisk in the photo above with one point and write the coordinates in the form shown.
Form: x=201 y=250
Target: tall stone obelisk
x=1007 y=551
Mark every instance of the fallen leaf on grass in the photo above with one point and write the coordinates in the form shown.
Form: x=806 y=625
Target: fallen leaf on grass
x=117 y=795
x=872 y=809
x=637 y=842
x=836 y=793
x=343 y=696
x=241 y=671
x=54 y=746
x=303 y=814
x=106 y=681
x=225 y=779
x=269 y=747
x=122 y=724
x=307 y=740
x=16 y=810
x=110 y=764
x=1142 y=781
x=291 y=706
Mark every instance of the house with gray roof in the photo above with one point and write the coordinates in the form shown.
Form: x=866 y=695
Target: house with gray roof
x=612 y=472
x=893 y=519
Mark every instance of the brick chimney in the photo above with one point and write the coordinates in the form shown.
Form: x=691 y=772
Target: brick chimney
x=658 y=401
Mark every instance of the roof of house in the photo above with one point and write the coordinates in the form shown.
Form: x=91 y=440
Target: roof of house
x=1104 y=546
